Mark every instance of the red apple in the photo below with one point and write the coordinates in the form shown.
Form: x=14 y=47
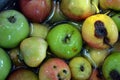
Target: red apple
x=54 y=69
x=36 y=10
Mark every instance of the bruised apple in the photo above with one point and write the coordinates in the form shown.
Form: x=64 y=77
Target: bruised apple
x=100 y=31
x=36 y=10
x=54 y=69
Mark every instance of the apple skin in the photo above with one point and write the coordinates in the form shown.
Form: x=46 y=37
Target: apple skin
x=72 y=10
x=39 y=30
x=33 y=50
x=116 y=19
x=36 y=10
x=111 y=66
x=110 y=4
x=100 y=31
x=54 y=69
x=80 y=67
x=64 y=40
x=5 y=64
x=22 y=74
x=13 y=28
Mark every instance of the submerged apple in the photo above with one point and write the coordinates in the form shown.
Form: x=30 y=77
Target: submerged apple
x=80 y=67
x=79 y=9
x=5 y=64
x=54 y=69
x=110 y=4
x=100 y=31
x=64 y=40
x=36 y=10
x=111 y=66
x=33 y=50
x=22 y=74
x=13 y=28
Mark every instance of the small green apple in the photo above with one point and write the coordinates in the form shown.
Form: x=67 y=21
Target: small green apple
x=33 y=50
x=13 y=28
x=39 y=30
x=64 y=40
x=22 y=74
x=5 y=64
x=80 y=67
x=111 y=66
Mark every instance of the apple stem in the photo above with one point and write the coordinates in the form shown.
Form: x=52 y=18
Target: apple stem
x=12 y=19
x=97 y=9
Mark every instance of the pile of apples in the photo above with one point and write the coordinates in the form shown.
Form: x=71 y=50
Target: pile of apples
x=59 y=40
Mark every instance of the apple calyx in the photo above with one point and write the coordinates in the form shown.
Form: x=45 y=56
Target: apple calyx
x=67 y=38
x=101 y=32
x=12 y=19
x=114 y=75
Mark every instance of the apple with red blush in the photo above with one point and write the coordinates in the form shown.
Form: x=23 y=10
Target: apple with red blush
x=54 y=69
x=36 y=10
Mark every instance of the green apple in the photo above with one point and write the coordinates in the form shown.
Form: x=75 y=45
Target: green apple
x=110 y=4
x=80 y=67
x=78 y=9
x=116 y=19
x=111 y=66
x=22 y=74
x=33 y=50
x=54 y=69
x=39 y=30
x=13 y=28
x=100 y=31
x=64 y=40
x=5 y=64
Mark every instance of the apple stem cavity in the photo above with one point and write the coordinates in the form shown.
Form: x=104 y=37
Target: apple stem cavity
x=101 y=32
x=67 y=38
x=82 y=68
x=114 y=75
x=12 y=19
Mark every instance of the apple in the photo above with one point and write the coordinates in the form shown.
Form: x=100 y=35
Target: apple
x=80 y=67
x=22 y=74
x=13 y=28
x=96 y=75
x=64 y=40
x=54 y=69
x=36 y=10
x=110 y=4
x=116 y=19
x=15 y=57
x=39 y=30
x=97 y=56
x=33 y=50
x=111 y=66
x=73 y=11
x=5 y=64
x=100 y=31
